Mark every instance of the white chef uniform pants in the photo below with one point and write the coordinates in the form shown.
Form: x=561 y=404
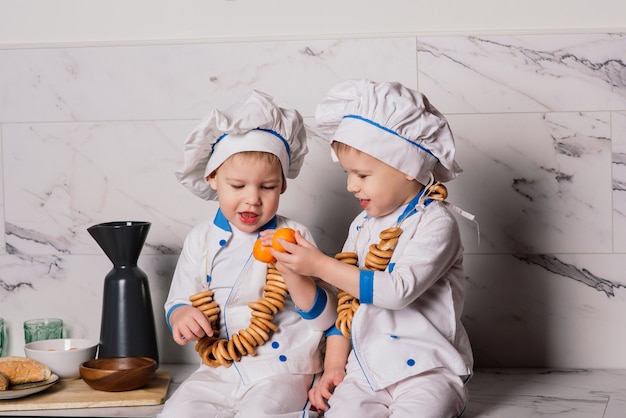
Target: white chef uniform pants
x=437 y=393
x=219 y=393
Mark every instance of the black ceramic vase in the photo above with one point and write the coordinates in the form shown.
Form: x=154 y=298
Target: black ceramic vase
x=127 y=327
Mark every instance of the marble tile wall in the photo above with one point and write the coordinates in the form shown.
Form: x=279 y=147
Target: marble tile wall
x=92 y=134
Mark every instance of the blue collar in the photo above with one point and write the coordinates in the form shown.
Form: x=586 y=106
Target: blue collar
x=412 y=207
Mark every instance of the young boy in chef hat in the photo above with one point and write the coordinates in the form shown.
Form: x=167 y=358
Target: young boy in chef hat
x=242 y=156
x=408 y=354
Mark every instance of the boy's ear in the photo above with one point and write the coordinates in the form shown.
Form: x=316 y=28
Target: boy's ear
x=212 y=182
x=284 y=187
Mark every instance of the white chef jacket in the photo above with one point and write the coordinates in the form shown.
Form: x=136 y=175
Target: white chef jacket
x=409 y=320
x=294 y=348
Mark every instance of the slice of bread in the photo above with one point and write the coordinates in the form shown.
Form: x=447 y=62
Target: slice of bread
x=23 y=370
x=4 y=382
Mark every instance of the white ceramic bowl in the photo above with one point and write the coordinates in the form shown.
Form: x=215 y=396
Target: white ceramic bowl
x=64 y=356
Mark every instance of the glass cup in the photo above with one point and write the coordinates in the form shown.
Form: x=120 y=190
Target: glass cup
x=42 y=329
x=3 y=340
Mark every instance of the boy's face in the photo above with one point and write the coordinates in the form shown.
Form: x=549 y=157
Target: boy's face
x=248 y=190
x=380 y=188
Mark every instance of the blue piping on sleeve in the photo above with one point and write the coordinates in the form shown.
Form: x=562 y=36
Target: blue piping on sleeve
x=332 y=331
x=167 y=317
x=318 y=305
x=366 y=286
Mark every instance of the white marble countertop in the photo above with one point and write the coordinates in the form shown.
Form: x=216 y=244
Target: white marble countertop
x=510 y=393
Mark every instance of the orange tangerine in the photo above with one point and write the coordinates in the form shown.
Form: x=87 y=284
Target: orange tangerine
x=262 y=252
x=287 y=234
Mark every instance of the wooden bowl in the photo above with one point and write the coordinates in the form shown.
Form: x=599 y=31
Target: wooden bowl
x=118 y=374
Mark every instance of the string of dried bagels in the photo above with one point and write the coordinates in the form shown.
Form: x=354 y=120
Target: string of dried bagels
x=377 y=259
x=215 y=351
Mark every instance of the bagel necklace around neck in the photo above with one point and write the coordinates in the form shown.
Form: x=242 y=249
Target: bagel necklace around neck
x=215 y=351
x=377 y=259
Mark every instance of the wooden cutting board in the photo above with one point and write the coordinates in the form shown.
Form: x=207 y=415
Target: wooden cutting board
x=70 y=394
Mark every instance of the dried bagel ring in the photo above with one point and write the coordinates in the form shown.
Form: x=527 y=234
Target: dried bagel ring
x=344 y=307
x=344 y=297
x=246 y=341
x=257 y=321
x=343 y=328
x=265 y=322
x=206 y=306
x=202 y=301
x=344 y=255
x=259 y=314
x=275 y=289
x=263 y=333
x=386 y=254
x=221 y=348
x=209 y=361
x=258 y=339
x=375 y=266
x=240 y=347
x=271 y=268
x=260 y=307
x=355 y=305
x=203 y=343
x=232 y=350
x=280 y=285
x=211 y=311
x=213 y=354
x=204 y=348
x=388 y=244
x=218 y=354
x=275 y=276
x=252 y=328
x=280 y=305
x=269 y=305
x=389 y=233
x=372 y=258
x=206 y=293
x=437 y=192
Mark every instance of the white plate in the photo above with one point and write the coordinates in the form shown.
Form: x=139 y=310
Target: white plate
x=25 y=389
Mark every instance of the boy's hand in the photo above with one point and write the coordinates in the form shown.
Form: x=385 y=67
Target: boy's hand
x=299 y=258
x=189 y=324
x=266 y=237
x=321 y=392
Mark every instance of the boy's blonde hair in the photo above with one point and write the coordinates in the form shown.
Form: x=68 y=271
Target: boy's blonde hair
x=268 y=157
x=340 y=148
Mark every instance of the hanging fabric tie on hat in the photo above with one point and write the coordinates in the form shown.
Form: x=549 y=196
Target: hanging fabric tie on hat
x=437 y=191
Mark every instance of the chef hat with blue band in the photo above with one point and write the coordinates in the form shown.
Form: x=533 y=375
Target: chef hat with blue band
x=393 y=124
x=255 y=123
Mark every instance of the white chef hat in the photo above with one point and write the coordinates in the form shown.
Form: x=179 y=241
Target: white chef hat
x=392 y=123
x=255 y=123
